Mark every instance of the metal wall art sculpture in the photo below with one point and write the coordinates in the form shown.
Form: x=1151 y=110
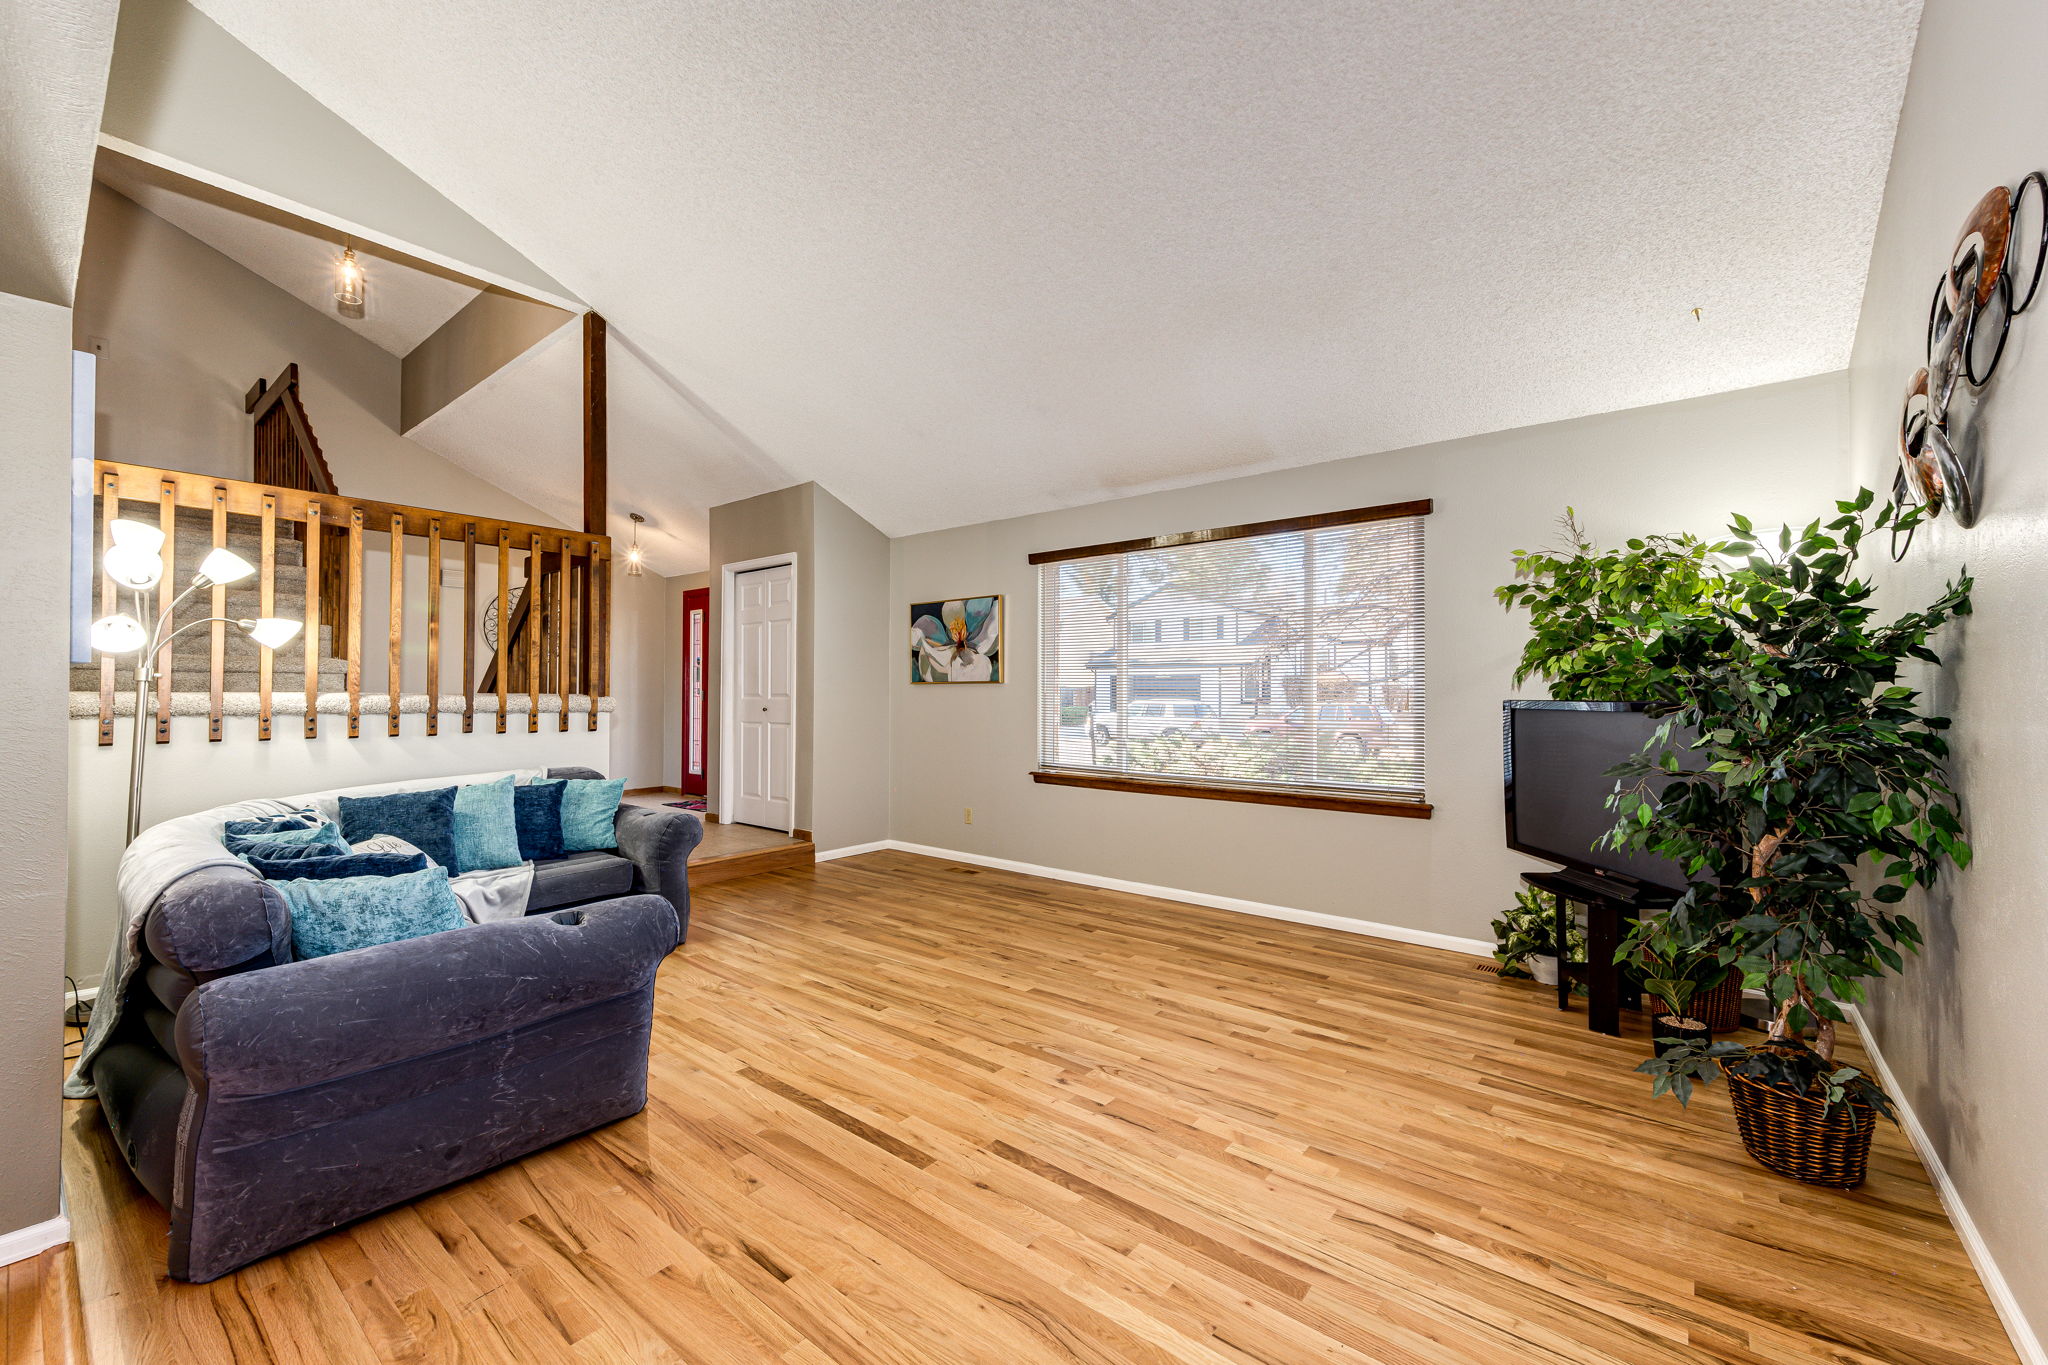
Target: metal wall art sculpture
x=1991 y=279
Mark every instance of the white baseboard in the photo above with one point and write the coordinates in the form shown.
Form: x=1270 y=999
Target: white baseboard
x=1343 y=923
x=878 y=846
x=2024 y=1339
x=34 y=1240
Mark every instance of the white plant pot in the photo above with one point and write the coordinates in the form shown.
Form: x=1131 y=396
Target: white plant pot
x=1544 y=969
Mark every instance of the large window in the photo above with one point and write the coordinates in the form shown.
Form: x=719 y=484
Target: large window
x=1304 y=685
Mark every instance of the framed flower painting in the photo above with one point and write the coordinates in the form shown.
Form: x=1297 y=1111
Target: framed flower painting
x=960 y=641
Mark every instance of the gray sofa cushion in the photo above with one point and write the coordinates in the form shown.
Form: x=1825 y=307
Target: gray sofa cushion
x=578 y=877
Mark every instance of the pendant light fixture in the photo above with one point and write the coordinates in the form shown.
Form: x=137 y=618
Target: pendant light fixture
x=636 y=558
x=348 y=282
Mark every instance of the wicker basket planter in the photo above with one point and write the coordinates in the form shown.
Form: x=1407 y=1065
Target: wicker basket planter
x=1720 y=1009
x=1801 y=1138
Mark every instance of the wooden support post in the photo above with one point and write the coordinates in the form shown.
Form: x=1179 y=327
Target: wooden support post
x=595 y=473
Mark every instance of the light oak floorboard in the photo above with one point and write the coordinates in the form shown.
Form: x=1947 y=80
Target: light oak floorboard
x=908 y=1111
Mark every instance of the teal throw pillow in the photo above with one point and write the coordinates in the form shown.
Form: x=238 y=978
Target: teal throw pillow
x=341 y=913
x=486 y=832
x=288 y=843
x=589 y=810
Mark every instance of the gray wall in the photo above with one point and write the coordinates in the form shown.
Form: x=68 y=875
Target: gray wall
x=1962 y=1027
x=753 y=528
x=35 y=558
x=488 y=333
x=842 y=734
x=854 y=648
x=1774 y=453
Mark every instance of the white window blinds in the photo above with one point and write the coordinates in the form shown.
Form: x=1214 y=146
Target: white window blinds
x=1307 y=678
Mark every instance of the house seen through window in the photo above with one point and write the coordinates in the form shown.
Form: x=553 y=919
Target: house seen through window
x=1287 y=660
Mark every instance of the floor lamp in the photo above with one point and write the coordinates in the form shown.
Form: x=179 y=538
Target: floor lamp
x=133 y=561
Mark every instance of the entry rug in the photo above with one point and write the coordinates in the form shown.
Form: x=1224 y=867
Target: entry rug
x=696 y=803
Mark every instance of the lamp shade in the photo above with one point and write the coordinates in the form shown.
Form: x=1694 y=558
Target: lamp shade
x=132 y=566
x=272 y=632
x=138 y=535
x=224 y=566
x=120 y=634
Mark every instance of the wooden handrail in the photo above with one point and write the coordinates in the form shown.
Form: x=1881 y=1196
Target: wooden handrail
x=555 y=640
x=138 y=483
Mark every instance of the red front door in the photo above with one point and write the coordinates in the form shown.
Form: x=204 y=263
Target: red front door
x=696 y=703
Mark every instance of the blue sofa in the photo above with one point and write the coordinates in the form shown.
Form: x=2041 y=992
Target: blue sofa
x=263 y=1100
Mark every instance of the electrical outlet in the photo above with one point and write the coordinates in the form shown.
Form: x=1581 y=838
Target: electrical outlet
x=967 y=815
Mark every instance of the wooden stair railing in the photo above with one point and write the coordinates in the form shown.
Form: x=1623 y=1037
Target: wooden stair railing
x=563 y=642
x=286 y=454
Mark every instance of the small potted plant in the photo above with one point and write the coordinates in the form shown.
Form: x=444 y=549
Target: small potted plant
x=1685 y=978
x=1525 y=938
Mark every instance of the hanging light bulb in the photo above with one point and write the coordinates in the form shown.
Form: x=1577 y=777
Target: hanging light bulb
x=636 y=558
x=348 y=284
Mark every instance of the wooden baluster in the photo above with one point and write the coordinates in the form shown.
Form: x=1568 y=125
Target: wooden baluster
x=534 y=622
x=603 y=579
x=312 y=627
x=504 y=618
x=167 y=500
x=266 y=605
x=397 y=667
x=591 y=608
x=564 y=630
x=355 y=622
x=218 y=632
x=433 y=625
x=110 y=509
x=468 y=627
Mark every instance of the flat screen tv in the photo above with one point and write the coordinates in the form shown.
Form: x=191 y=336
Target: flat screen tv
x=1557 y=757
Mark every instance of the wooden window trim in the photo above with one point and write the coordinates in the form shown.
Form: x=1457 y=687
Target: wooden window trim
x=1122 y=782
x=1319 y=521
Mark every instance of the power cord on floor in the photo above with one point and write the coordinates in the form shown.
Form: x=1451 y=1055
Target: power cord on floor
x=77 y=1015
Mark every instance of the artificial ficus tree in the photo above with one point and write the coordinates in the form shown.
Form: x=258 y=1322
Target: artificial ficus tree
x=1813 y=763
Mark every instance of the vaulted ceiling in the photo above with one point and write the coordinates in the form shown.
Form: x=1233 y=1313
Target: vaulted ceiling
x=969 y=260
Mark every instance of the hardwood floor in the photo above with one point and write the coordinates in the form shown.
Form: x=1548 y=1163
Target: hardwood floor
x=39 y=1318
x=910 y=1111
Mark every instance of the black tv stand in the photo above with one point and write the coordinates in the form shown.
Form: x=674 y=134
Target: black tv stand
x=1608 y=902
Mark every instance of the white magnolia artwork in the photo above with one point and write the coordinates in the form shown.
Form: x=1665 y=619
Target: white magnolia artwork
x=960 y=641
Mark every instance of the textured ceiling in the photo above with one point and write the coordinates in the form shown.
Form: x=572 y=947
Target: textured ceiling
x=404 y=301
x=968 y=260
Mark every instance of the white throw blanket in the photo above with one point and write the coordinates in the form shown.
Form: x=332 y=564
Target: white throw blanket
x=164 y=853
